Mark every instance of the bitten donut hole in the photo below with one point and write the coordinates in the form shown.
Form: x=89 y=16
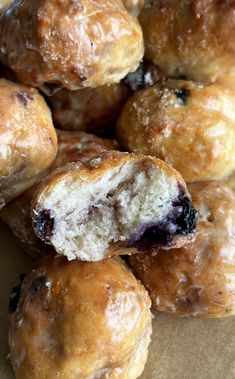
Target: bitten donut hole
x=128 y=204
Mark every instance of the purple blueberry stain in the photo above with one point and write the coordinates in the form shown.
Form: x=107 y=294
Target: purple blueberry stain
x=181 y=220
x=24 y=97
x=43 y=225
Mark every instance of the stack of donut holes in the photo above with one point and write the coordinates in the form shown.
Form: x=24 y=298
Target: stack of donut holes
x=117 y=175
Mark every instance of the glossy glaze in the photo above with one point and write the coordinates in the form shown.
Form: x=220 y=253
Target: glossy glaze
x=72 y=147
x=194 y=38
x=89 y=109
x=70 y=43
x=197 y=279
x=189 y=125
x=79 y=320
x=28 y=141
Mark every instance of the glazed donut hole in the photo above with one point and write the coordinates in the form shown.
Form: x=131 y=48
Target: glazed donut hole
x=197 y=279
x=191 y=38
x=70 y=44
x=89 y=109
x=28 y=139
x=189 y=125
x=96 y=110
x=72 y=147
x=61 y=326
x=119 y=203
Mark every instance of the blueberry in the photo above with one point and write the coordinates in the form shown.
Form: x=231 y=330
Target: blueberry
x=146 y=75
x=181 y=220
x=24 y=97
x=43 y=225
x=182 y=94
x=39 y=283
x=187 y=220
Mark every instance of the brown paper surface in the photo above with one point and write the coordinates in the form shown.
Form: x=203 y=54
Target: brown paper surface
x=180 y=348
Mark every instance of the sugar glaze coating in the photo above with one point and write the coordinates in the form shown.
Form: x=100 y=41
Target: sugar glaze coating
x=70 y=43
x=197 y=279
x=72 y=147
x=189 y=125
x=78 y=320
x=28 y=141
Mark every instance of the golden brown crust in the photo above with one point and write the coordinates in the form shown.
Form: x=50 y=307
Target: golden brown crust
x=78 y=320
x=89 y=109
x=192 y=38
x=197 y=279
x=28 y=142
x=70 y=43
x=79 y=146
x=93 y=169
x=72 y=147
x=189 y=125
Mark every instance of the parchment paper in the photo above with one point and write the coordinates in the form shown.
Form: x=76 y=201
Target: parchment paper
x=180 y=348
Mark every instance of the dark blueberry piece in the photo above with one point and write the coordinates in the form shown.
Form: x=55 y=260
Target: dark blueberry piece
x=153 y=235
x=134 y=80
x=181 y=220
x=159 y=233
x=24 y=97
x=146 y=75
x=39 y=283
x=14 y=299
x=43 y=225
x=151 y=75
x=187 y=220
x=182 y=94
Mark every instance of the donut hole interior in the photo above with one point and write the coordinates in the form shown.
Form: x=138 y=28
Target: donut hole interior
x=119 y=206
